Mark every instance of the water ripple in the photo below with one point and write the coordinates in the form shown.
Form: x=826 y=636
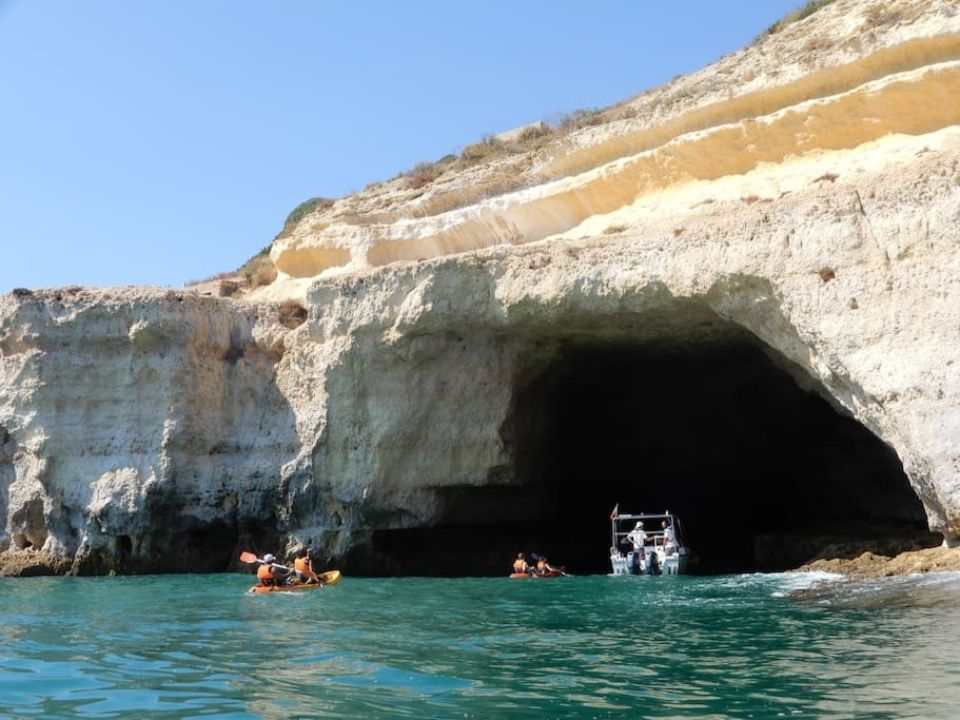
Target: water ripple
x=739 y=646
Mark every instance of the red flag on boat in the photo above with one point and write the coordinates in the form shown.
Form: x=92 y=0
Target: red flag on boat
x=616 y=509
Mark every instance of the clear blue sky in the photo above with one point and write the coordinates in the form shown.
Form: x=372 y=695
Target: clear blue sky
x=161 y=141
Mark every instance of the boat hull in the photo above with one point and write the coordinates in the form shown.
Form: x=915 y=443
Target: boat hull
x=630 y=564
x=331 y=577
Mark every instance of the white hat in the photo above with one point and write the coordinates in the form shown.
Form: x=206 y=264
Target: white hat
x=638 y=525
x=268 y=558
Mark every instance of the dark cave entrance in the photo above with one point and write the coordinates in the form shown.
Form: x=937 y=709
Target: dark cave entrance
x=761 y=472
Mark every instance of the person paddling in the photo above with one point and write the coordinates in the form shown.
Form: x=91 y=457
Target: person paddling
x=545 y=568
x=270 y=573
x=303 y=567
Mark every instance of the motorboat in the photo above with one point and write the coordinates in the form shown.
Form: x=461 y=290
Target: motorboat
x=646 y=544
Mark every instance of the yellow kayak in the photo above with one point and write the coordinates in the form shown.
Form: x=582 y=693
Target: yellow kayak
x=331 y=577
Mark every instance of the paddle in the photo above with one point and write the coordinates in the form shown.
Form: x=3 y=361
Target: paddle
x=561 y=570
x=249 y=558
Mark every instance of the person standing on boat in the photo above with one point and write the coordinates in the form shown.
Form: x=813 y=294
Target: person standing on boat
x=669 y=536
x=637 y=537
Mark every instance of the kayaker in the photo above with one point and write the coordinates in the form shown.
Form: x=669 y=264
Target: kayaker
x=545 y=568
x=269 y=573
x=303 y=567
x=520 y=565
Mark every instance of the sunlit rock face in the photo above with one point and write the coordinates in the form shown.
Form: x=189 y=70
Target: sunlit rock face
x=143 y=429
x=442 y=354
x=742 y=303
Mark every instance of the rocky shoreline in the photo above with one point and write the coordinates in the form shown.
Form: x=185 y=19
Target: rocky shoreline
x=872 y=565
x=32 y=563
x=839 y=560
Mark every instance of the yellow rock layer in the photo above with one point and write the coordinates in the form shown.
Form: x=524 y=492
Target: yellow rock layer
x=912 y=103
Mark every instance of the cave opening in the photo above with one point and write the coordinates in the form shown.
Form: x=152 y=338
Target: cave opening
x=763 y=473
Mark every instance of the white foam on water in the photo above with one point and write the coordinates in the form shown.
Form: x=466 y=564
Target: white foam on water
x=914 y=590
x=938 y=578
x=796 y=580
x=948 y=580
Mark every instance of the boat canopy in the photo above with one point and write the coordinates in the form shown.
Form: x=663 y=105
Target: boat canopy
x=654 y=531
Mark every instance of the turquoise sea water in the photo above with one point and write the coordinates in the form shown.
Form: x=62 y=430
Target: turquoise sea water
x=593 y=647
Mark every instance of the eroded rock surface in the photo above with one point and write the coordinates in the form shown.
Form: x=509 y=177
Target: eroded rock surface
x=870 y=565
x=802 y=222
x=142 y=429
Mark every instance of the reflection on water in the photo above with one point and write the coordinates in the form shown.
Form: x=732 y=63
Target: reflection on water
x=736 y=646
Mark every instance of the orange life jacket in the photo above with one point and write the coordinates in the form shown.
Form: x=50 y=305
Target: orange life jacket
x=303 y=566
x=541 y=566
x=519 y=566
x=265 y=574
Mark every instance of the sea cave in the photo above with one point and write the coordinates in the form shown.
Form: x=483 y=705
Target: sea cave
x=763 y=469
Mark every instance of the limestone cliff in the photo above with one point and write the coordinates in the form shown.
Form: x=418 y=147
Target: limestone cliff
x=744 y=285
x=853 y=73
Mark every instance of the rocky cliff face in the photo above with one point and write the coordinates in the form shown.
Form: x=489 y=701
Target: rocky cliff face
x=142 y=428
x=738 y=298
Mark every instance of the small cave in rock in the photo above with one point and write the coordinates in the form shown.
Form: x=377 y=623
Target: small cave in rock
x=762 y=473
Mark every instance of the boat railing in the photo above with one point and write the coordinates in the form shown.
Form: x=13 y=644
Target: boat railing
x=650 y=533
x=653 y=537
x=654 y=534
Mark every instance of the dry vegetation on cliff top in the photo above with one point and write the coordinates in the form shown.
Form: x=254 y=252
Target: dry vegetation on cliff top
x=496 y=165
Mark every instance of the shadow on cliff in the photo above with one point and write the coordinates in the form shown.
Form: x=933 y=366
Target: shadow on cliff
x=676 y=405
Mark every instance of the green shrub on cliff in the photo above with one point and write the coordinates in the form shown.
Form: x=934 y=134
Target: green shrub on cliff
x=804 y=11
x=304 y=209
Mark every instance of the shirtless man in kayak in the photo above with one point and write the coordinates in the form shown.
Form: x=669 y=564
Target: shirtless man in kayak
x=545 y=568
